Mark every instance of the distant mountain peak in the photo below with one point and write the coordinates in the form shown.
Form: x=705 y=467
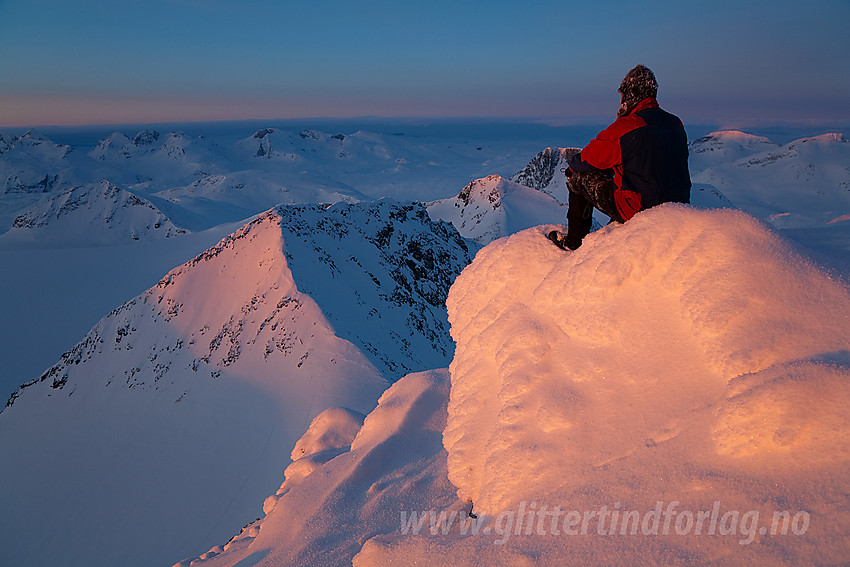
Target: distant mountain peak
x=98 y=213
x=145 y=138
x=491 y=207
x=540 y=173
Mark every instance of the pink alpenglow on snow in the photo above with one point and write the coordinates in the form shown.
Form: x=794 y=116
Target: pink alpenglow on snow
x=674 y=393
x=686 y=356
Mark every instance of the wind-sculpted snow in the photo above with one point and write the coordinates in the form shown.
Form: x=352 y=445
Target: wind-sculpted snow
x=353 y=491
x=684 y=369
x=684 y=356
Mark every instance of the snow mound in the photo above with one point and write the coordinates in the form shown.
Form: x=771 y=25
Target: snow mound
x=685 y=356
x=492 y=207
x=100 y=213
x=397 y=457
x=329 y=435
x=334 y=428
x=589 y=387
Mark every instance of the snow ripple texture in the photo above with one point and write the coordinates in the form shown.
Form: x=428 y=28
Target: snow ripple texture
x=685 y=348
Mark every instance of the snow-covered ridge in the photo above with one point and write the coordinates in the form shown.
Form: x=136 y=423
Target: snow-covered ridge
x=493 y=207
x=99 y=213
x=726 y=141
x=543 y=172
x=30 y=164
x=238 y=349
x=802 y=184
x=117 y=146
x=211 y=375
x=732 y=399
x=383 y=263
x=36 y=147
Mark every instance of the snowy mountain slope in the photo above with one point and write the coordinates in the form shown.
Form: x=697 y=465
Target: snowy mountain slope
x=805 y=183
x=145 y=145
x=177 y=411
x=543 y=172
x=580 y=445
x=381 y=272
x=259 y=145
x=492 y=207
x=725 y=147
x=30 y=164
x=96 y=214
x=241 y=194
x=51 y=297
x=195 y=392
x=307 y=165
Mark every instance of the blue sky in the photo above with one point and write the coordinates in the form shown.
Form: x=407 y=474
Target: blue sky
x=122 y=61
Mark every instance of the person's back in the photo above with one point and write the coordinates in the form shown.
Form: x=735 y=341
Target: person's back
x=638 y=162
x=655 y=158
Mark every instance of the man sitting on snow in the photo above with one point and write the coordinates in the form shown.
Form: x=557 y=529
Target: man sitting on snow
x=639 y=161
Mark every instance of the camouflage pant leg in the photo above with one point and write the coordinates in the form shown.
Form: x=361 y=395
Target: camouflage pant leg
x=598 y=189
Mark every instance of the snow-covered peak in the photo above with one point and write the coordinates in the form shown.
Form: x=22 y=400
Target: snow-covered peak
x=384 y=263
x=810 y=148
x=111 y=146
x=492 y=207
x=95 y=214
x=803 y=183
x=214 y=374
x=145 y=138
x=36 y=146
x=543 y=172
x=644 y=397
x=32 y=164
x=117 y=146
x=827 y=138
x=309 y=144
x=262 y=144
x=713 y=141
x=725 y=147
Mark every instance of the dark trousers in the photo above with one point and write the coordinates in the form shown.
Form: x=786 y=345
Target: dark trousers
x=588 y=190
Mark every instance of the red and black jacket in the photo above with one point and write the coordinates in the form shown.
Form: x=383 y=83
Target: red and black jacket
x=648 y=151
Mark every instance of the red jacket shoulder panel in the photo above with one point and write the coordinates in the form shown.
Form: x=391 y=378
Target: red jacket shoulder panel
x=603 y=152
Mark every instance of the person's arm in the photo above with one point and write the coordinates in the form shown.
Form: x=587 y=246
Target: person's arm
x=602 y=152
